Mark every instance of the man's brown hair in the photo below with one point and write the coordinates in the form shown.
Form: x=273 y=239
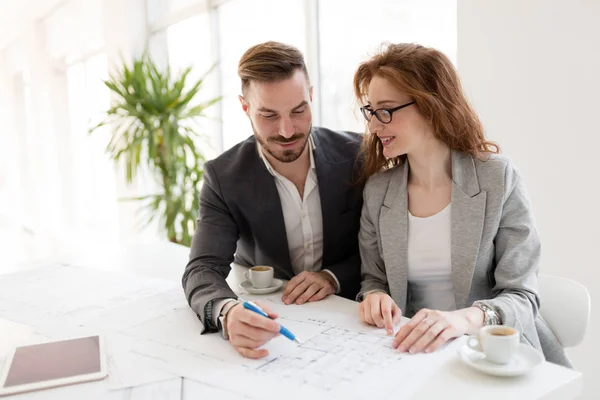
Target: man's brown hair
x=269 y=62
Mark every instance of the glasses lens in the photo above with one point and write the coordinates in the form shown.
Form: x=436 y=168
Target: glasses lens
x=384 y=116
x=365 y=112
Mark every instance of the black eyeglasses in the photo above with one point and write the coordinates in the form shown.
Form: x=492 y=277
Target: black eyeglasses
x=384 y=115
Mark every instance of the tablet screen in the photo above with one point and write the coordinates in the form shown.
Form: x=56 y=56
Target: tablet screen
x=56 y=360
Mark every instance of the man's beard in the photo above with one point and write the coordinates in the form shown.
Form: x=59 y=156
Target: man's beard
x=285 y=156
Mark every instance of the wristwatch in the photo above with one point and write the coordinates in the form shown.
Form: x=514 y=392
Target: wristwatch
x=221 y=321
x=490 y=316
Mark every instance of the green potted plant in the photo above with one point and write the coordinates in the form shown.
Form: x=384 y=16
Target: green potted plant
x=153 y=122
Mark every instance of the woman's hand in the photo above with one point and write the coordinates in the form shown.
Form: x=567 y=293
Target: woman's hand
x=379 y=309
x=430 y=329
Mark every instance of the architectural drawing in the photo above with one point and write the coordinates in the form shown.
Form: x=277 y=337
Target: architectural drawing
x=334 y=357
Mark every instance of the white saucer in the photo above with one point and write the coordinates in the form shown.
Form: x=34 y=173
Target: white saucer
x=525 y=360
x=247 y=286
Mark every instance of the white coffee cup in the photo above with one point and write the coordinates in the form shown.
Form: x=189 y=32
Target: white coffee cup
x=260 y=276
x=498 y=343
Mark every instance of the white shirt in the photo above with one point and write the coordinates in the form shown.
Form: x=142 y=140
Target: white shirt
x=302 y=216
x=430 y=262
x=303 y=220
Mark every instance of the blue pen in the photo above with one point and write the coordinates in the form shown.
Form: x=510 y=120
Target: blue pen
x=253 y=307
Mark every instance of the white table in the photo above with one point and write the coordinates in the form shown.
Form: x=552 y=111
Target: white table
x=452 y=380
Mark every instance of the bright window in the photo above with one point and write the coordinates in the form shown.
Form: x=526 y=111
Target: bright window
x=350 y=30
x=242 y=24
x=93 y=187
x=189 y=45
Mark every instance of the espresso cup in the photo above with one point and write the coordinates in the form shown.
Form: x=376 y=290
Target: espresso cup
x=498 y=343
x=260 y=276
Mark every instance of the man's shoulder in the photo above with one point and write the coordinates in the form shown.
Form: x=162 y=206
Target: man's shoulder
x=236 y=159
x=331 y=136
x=337 y=144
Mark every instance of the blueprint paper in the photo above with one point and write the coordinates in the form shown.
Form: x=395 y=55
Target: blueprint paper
x=339 y=358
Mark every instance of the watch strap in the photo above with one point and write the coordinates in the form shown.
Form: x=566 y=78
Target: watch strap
x=490 y=316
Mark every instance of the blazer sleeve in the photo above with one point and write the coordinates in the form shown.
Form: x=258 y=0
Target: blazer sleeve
x=346 y=272
x=373 y=273
x=517 y=257
x=211 y=253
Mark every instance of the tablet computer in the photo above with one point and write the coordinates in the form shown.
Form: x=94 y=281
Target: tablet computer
x=53 y=364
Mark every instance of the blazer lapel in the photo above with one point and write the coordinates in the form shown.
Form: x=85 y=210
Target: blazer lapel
x=393 y=225
x=332 y=179
x=468 y=215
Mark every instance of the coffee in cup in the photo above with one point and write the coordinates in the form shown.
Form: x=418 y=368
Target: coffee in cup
x=261 y=268
x=260 y=276
x=503 y=332
x=498 y=343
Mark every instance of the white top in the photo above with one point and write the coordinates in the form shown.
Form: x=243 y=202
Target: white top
x=430 y=262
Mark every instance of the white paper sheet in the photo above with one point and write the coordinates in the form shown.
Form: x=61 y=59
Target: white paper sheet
x=127 y=369
x=13 y=334
x=71 y=295
x=196 y=390
x=339 y=358
x=153 y=335
x=63 y=302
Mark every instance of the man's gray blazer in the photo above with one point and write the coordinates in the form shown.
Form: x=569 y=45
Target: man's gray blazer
x=240 y=213
x=495 y=245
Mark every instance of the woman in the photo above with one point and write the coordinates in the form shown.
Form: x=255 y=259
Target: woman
x=447 y=234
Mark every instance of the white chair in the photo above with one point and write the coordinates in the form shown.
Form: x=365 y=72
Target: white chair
x=565 y=306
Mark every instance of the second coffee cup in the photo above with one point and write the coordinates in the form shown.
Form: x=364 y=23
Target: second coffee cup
x=498 y=343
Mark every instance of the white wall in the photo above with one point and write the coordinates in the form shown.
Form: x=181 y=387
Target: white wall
x=532 y=71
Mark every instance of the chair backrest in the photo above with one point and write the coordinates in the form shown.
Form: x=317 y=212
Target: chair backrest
x=565 y=306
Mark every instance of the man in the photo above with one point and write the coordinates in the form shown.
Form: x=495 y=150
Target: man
x=285 y=197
